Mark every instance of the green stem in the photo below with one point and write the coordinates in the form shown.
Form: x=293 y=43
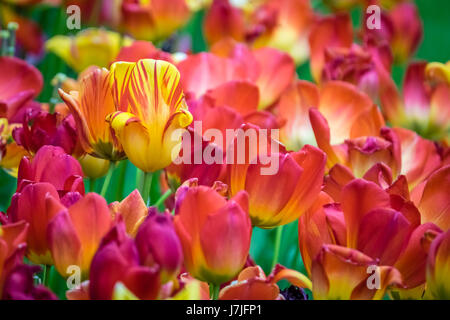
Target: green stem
x=139 y=179
x=92 y=184
x=108 y=177
x=163 y=198
x=276 y=252
x=4 y=36
x=121 y=182
x=146 y=186
x=45 y=275
x=12 y=27
x=214 y=291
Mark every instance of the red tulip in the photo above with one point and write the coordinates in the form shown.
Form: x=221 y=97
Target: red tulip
x=158 y=244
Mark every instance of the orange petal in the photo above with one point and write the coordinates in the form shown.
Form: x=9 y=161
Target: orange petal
x=277 y=70
x=358 y=198
x=333 y=31
x=434 y=204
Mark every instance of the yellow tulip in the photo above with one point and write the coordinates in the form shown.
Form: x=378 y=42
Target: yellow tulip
x=149 y=131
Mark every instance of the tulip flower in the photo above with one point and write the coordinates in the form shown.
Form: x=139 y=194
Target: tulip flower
x=413 y=260
x=432 y=198
x=20 y=285
x=89 y=47
x=253 y=284
x=424 y=105
x=142 y=50
x=12 y=248
x=269 y=69
x=333 y=31
x=19 y=84
x=402 y=28
x=74 y=234
x=419 y=157
x=367 y=66
x=345 y=113
x=214 y=233
x=158 y=244
x=155 y=20
x=95 y=93
x=46 y=129
x=51 y=164
x=133 y=211
x=150 y=130
x=284 y=195
x=37 y=204
x=368 y=220
x=10 y=153
x=117 y=261
x=293 y=108
x=103 y=12
x=290 y=29
x=438 y=267
x=205 y=173
x=223 y=20
x=340 y=273
x=94 y=167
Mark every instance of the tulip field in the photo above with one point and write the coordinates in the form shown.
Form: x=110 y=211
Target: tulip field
x=224 y=150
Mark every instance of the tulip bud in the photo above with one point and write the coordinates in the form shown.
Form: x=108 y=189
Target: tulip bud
x=157 y=243
x=51 y=164
x=215 y=233
x=94 y=167
x=37 y=204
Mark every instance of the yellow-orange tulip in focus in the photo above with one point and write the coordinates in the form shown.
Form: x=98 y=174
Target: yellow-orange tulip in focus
x=149 y=90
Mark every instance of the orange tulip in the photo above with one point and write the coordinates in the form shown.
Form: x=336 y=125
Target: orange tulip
x=214 y=233
x=153 y=20
x=434 y=202
x=90 y=106
x=284 y=195
x=133 y=211
x=74 y=234
x=340 y=273
x=36 y=204
x=253 y=284
x=12 y=247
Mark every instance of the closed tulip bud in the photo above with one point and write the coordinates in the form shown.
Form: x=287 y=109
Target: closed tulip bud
x=94 y=167
x=215 y=233
x=37 y=204
x=117 y=261
x=51 y=164
x=132 y=210
x=157 y=243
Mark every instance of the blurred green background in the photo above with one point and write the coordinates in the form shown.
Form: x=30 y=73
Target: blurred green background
x=435 y=46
